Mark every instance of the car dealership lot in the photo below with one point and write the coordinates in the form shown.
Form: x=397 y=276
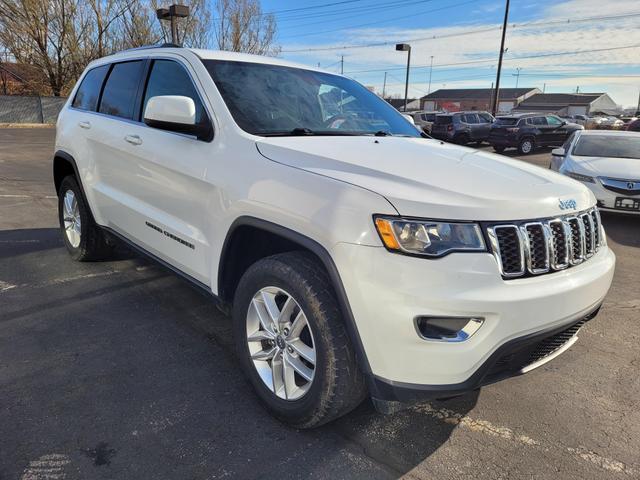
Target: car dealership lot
x=121 y=370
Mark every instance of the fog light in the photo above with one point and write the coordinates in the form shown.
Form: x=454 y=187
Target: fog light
x=447 y=329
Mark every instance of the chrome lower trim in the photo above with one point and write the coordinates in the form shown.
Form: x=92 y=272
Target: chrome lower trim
x=551 y=356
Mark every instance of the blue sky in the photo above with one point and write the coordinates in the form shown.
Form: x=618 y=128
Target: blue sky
x=463 y=37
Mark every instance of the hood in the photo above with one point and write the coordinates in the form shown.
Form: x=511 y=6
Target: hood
x=623 y=168
x=432 y=179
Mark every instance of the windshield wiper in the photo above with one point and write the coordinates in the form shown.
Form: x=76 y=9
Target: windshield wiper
x=304 y=131
x=383 y=133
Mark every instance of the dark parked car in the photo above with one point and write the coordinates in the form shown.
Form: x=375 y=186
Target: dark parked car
x=528 y=131
x=462 y=127
x=634 y=126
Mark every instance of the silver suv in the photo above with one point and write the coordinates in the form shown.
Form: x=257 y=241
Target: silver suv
x=462 y=127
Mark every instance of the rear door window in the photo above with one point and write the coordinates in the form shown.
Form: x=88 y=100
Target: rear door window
x=89 y=90
x=119 y=95
x=170 y=78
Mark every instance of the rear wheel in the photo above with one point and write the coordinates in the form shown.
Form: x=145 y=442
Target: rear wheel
x=84 y=240
x=526 y=146
x=462 y=139
x=292 y=343
x=498 y=149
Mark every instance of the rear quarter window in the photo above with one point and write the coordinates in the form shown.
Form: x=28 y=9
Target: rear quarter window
x=89 y=90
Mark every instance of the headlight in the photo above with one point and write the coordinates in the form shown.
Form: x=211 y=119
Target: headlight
x=428 y=238
x=579 y=176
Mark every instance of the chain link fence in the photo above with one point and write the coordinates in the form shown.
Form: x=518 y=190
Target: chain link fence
x=19 y=109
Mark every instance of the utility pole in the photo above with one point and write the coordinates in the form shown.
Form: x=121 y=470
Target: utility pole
x=342 y=65
x=544 y=87
x=405 y=47
x=384 y=85
x=496 y=93
x=638 y=109
x=517 y=75
x=430 y=72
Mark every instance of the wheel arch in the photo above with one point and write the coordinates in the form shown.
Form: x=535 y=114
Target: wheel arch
x=272 y=238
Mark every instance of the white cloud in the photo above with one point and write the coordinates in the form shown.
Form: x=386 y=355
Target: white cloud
x=522 y=40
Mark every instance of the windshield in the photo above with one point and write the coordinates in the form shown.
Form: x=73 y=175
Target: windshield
x=275 y=100
x=617 y=146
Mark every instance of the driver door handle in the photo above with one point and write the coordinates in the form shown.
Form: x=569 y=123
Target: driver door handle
x=133 y=139
x=85 y=125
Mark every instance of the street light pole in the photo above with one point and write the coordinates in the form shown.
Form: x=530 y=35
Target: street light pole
x=430 y=72
x=496 y=93
x=405 y=47
x=172 y=13
x=384 y=85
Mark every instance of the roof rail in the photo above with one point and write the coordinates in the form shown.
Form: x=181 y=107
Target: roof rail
x=147 y=47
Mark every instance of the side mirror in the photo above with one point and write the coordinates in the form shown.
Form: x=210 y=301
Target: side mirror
x=175 y=113
x=558 y=152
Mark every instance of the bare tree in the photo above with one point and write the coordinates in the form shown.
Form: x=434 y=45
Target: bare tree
x=241 y=26
x=59 y=37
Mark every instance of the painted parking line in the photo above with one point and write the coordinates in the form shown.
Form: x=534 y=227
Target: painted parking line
x=47 y=467
x=487 y=428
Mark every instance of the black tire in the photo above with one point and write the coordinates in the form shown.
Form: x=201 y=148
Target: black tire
x=93 y=243
x=479 y=143
x=526 y=146
x=338 y=386
x=462 y=139
x=498 y=149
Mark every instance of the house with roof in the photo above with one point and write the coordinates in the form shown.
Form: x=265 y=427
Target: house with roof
x=570 y=104
x=464 y=99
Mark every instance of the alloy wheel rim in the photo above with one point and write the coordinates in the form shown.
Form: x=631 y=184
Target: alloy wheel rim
x=281 y=343
x=526 y=146
x=71 y=216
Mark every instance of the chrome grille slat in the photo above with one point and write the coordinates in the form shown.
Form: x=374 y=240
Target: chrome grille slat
x=538 y=247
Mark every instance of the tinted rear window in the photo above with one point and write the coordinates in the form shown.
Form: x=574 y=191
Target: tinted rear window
x=89 y=91
x=617 y=146
x=119 y=94
x=507 y=120
x=443 y=120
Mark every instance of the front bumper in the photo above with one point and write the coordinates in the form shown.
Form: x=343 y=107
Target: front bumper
x=607 y=198
x=387 y=291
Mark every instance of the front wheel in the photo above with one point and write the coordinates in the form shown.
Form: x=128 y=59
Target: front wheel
x=526 y=146
x=292 y=343
x=84 y=240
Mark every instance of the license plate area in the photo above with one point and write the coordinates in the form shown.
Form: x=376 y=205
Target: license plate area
x=625 y=203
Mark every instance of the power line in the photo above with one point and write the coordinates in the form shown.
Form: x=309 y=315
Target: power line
x=371 y=10
x=470 y=32
x=490 y=60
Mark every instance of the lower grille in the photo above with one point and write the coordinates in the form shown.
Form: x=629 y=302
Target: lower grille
x=542 y=246
x=530 y=352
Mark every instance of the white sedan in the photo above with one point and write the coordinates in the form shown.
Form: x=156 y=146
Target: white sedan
x=607 y=162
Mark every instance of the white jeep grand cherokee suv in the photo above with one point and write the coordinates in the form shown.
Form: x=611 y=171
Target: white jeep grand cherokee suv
x=358 y=258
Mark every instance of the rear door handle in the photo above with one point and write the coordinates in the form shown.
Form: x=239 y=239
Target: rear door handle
x=85 y=125
x=133 y=139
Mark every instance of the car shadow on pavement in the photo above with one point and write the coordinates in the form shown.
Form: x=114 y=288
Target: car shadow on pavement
x=621 y=228
x=122 y=357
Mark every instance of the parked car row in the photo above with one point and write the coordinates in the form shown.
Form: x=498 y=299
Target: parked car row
x=525 y=131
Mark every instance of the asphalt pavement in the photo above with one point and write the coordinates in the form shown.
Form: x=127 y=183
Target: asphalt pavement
x=121 y=370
